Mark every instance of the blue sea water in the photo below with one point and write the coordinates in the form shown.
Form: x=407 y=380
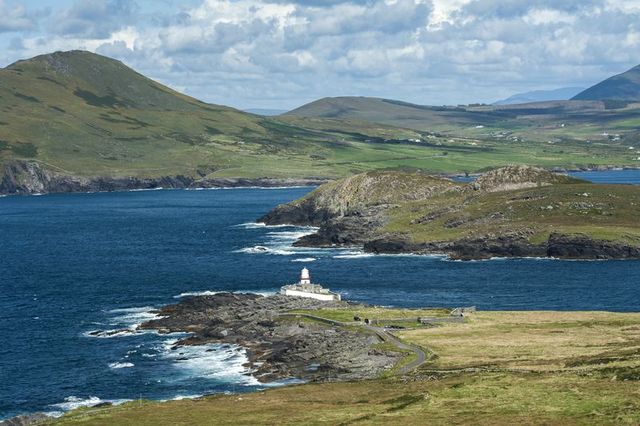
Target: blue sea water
x=73 y=264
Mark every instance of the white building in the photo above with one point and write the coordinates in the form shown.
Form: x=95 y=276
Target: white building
x=304 y=288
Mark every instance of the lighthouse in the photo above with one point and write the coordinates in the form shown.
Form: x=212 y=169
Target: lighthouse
x=305 y=277
x=304 y=288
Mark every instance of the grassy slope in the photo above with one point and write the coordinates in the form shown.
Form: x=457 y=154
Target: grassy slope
x=521 y=367
x=605 y=212
x=85 y=114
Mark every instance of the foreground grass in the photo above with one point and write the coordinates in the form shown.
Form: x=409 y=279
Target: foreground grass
x=481 y=398
x=498 y=368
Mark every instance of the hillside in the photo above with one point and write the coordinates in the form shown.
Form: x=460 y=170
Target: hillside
x=622 y=87
x=604 y=126
x=77 y=121
x=69 y=116
x=512 y=211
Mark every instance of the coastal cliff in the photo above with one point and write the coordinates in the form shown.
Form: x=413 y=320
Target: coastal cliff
x=514 y=211
x=31 y=177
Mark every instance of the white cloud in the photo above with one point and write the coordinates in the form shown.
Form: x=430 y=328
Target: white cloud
x=280 y=53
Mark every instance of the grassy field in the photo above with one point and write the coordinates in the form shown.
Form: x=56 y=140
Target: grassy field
x=498 y=368
x=57 y=110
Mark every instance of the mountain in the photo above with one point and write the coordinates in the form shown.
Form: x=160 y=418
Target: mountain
x=562 y=94
x=621 y=87
x=81 y=115
x=392 y=112
x=90 y=114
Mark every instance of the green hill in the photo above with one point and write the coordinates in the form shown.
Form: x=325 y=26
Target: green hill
x=621 y=87
x=86 y=114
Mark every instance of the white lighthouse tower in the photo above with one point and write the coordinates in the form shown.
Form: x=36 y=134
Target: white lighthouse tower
x=304 y=288
x=305 y=277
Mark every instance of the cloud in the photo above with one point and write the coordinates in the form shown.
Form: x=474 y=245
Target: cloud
x=280 y=53
x=95 y=19
x=18 y=18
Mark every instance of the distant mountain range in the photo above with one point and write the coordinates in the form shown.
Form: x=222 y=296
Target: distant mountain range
x=561 y=94
x=621 y=87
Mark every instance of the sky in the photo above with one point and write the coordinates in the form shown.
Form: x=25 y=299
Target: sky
x=281 y=54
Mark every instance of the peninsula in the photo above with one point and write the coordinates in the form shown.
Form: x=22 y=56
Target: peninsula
x=489 y=368
x=514 y=211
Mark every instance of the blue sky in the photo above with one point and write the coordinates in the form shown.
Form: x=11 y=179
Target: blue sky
x=283 y=53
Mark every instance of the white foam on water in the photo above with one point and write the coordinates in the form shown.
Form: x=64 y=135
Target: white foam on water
x=353 y=255
x=127 y=320
x=304 y=259
x=225 y=363
x=118 y=365
x=290 y=235
x=133 y=317
x=73 y=402
x=212 y=293
x=110 y=334
x=146 y=189
x=258 y=225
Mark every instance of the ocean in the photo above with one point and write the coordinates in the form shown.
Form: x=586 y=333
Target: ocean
x=74 y=268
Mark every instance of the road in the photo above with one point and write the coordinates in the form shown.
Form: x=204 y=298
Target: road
x=421 y=355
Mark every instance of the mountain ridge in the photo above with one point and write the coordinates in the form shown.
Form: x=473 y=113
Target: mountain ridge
x=623 y=87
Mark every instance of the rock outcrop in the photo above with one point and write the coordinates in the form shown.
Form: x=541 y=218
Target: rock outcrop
x=279 y=345
x=519 y=177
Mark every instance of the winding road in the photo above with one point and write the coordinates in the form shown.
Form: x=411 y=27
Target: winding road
x=421 y=355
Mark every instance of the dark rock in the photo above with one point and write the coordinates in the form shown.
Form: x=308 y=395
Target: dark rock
x=584 y=247
x=277 y=346
x=26 y=420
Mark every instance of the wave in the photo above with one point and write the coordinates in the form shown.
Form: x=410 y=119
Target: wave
x=222 y=362
x=290 y=235
x=353 y=255
x=259 y=225
x=159 y=188
x=304 y=259
x=73 y=402
x=133 y=317
x=212 y=293
x=279 y=250
x=109 y=334
x=118 y=365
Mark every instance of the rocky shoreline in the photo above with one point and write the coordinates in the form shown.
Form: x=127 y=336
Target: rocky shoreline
x=278 y=346
x=30 y=177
